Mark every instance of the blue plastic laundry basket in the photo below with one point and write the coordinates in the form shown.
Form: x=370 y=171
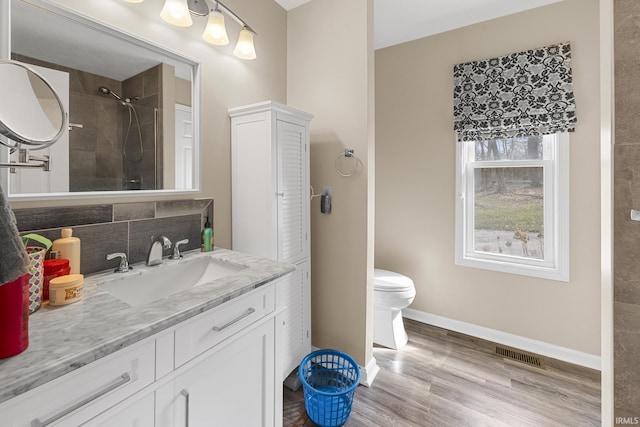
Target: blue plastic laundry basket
x=329 y=378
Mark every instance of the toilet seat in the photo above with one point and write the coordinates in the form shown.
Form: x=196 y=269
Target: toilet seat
x=389 y=281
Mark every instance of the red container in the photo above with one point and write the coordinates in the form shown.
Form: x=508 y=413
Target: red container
x=14 y=317
x=54 y=268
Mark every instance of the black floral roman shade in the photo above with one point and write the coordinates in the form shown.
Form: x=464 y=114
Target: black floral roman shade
x=521 y=94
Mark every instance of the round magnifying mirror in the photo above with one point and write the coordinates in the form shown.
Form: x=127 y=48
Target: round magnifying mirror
x=31 y=112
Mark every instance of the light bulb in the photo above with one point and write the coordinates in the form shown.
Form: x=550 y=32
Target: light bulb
x=215 y=32
x=176 y=12
x=245 y=48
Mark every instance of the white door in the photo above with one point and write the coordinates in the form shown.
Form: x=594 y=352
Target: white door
x=35 y=180
x=184 y=148
x=254 y=186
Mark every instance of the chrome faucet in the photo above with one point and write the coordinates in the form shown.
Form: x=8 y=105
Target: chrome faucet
x=176 y=251
x=155 y=251
x=124 y=265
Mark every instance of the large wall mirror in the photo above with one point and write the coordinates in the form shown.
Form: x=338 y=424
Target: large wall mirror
x=133 y=108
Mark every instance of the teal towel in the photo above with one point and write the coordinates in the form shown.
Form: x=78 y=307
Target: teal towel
x=14 y=261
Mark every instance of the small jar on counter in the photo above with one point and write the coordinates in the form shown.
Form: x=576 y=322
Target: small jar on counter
x=66 y=289
x=53 y=268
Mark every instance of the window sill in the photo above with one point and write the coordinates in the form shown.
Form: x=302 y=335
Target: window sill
x=550 y=273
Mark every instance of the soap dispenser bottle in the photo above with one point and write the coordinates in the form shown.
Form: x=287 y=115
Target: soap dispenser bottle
x=69 y=248
x=207 y=237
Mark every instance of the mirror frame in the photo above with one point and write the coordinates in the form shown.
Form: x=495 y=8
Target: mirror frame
x=5 y=53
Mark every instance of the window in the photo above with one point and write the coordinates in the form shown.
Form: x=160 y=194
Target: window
x=512 y=212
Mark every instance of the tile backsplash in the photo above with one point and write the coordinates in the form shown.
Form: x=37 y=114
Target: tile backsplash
x=122 y=227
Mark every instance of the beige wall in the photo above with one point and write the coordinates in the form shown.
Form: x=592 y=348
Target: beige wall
x=330 y=74
x=415 y=192
x=226 y=82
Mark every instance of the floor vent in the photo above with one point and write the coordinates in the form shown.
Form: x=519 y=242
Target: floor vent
x=520 y=356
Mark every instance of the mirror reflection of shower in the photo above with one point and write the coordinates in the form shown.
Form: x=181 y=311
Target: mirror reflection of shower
x=132 y=114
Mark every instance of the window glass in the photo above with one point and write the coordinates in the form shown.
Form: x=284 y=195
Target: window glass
x=509 y=211
x=529 y=148
x=512 y=212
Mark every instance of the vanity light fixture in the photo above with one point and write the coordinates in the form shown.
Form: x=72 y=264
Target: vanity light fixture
x=245 y=48
x=178 y=13
x=216 y=32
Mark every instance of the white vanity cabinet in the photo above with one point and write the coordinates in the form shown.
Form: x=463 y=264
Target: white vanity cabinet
x=270 y=210
x=216 y=368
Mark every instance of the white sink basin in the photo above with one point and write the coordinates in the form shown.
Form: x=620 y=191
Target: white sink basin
x=137 y=288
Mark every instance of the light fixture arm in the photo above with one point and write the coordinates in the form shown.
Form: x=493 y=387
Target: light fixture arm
x=235 y=17
x=178 y=13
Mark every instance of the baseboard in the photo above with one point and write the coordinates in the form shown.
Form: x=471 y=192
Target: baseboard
x=369 y=372
x=504 y=338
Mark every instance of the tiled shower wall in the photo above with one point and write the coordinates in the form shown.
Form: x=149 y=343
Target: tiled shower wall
x=95 y=149
x=626 y=197
x=123 y=227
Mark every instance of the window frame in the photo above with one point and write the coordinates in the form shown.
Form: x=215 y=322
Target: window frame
x=555 y=164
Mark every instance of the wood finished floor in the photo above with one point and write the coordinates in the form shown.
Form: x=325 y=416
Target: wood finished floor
x=443 y=378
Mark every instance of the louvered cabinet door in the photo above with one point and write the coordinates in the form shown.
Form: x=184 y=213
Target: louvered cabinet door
x=294 y=324
x=292 y=192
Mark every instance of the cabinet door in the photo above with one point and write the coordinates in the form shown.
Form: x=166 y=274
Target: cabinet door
x=231 y=385
x=293 y=191
x=293 y=338
x=254 y=184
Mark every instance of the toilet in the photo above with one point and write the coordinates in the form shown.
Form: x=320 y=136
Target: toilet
x=392 y=292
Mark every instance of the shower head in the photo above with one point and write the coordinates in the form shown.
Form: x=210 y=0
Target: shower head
x=108 y=91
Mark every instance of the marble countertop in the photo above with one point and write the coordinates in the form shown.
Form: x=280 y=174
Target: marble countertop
x=68 y=337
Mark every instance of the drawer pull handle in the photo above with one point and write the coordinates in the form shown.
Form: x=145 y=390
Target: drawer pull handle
x=122 y=380
x=185 y=393
x=248 y=312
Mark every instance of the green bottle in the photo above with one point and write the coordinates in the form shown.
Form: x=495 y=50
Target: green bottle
x=207 y=237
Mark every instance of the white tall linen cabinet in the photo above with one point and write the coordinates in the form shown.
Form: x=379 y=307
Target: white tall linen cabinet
x=270 y=210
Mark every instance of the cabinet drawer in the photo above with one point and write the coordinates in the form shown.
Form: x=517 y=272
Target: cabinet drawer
x=137 y=411
x=82 y=394
x=209 y=328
